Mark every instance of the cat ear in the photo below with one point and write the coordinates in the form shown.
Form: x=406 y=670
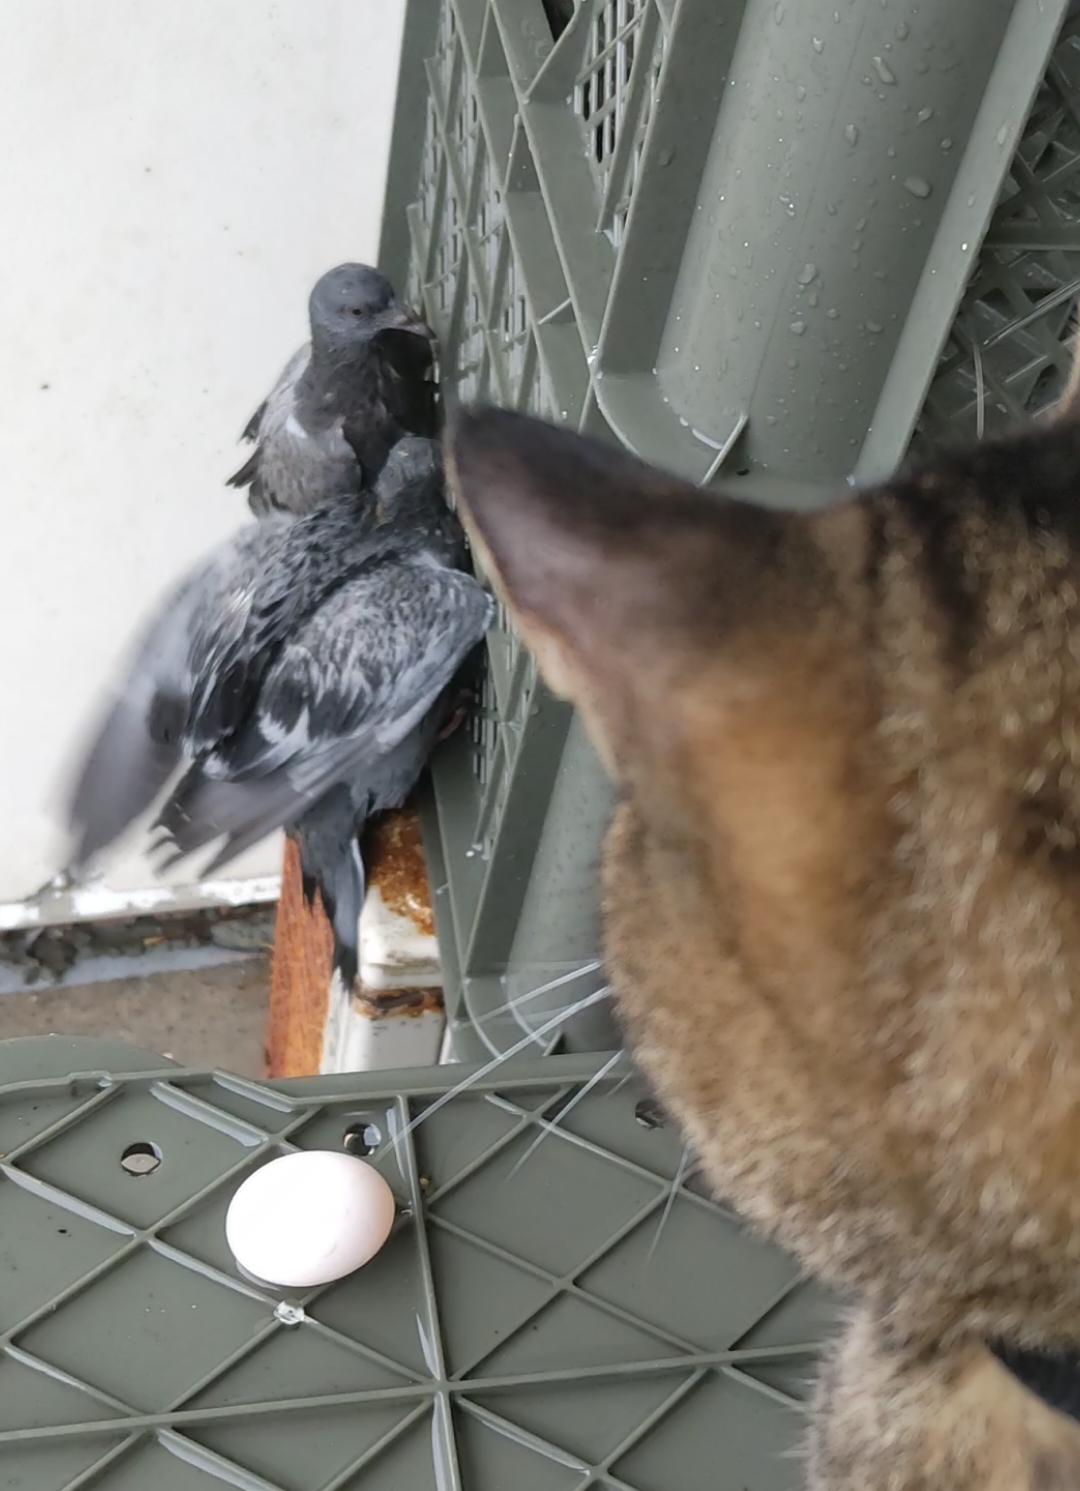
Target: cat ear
x=623 y=582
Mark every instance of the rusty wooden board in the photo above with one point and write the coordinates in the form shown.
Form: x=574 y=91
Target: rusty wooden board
x=301 y=972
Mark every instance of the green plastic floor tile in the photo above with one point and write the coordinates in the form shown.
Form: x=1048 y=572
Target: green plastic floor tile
x=560 y=1305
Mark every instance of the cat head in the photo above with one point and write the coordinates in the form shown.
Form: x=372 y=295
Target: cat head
x=842 y=890
x=711 y=646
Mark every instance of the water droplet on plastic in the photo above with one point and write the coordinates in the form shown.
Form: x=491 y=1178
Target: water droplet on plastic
x=903 y=31
x=793 y=362
x=800 y=93
x=778 y=13
x=830 y=208
x=860 y=225
x=946 y=143
x=1002 y=134
x=832 y=313
x=883 y=70
x=922 y=66
x=287 y=1314
x=812 y=298
x=851 y=134
x=963 y=248
x=918 y=186
x=856 y=245
x=770 y=419
x=808 y=274
x=923 y=115
x=817 y=44
x=890 y=151
x=874 y=327
x=797 y=328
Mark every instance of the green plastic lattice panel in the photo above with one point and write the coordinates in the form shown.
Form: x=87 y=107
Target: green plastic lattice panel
x=1008 y=351
x=560 y=1305
x=758 y=242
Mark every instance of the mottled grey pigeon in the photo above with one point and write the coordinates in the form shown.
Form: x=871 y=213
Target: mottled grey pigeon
x=365 y=380
x=303 y=674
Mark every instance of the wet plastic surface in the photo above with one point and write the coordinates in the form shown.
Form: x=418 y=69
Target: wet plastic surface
x=560 y=1306
x=760 y=242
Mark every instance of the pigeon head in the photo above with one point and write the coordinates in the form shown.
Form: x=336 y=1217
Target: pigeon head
x=412 y=463
x=413 y=459
x=354 y=302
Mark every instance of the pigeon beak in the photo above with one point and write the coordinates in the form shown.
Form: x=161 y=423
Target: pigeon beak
x=402 y=318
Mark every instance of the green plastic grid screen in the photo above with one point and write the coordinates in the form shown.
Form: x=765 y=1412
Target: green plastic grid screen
x=560 y=1306
x=1007 y=351
x=545 y=200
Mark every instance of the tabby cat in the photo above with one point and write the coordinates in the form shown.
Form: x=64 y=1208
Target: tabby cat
x=842 y=893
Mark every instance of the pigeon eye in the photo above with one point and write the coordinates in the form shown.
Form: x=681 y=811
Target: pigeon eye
x=356 y=310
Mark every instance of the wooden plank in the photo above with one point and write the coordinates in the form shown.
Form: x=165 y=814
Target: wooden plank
x=299 y=978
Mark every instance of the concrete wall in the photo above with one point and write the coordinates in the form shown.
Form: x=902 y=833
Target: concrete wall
x=173 y=177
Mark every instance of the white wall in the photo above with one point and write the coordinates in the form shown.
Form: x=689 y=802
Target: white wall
x=173 y=177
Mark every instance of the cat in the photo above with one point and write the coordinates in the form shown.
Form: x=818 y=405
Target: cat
x=841 y=892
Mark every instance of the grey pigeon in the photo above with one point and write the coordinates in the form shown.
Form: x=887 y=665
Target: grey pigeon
x=365 y=380
x=193 y=679
x=303 y=674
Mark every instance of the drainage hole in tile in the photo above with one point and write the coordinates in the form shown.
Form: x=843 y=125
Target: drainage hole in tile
x=141 y=1158
x=362 y=1138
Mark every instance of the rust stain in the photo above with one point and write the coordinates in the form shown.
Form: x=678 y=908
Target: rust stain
x=394 y=855
x=377 y=1004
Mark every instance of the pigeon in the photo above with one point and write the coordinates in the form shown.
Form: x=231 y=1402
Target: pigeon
x=365 y=380
x=302 y=675
x=352 y=707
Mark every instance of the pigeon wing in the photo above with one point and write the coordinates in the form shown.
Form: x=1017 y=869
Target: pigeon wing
x=261 y=473
x=147 y=730
x=351 y=685
x=138 y=744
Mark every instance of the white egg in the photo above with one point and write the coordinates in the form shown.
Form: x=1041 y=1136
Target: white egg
x=309 y=1218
